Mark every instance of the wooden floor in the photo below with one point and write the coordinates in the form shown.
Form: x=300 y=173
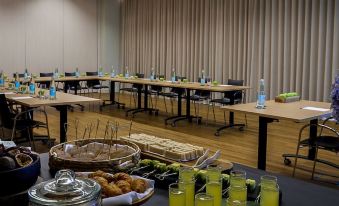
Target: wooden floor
x=236 y=146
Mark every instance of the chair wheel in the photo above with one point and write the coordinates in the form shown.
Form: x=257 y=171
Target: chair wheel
x=217 y=134
x=287 y=161
x=241 y=128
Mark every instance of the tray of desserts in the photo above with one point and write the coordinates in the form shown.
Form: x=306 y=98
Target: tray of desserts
x=167 y=148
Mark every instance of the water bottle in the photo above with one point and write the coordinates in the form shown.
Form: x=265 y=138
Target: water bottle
x=2 y=79
x=17 y=81
x=261 y=95
x=77 y=73
x=32 y=86
x=112 y=72
x=152 y=74
x=126 y=74
x=26 y=73
x=173 y=75
x=100 y=72
x=56 y=73
x=52 y=90
x=202 y=80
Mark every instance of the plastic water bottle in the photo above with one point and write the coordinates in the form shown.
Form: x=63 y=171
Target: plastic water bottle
x=52 y=90
x=152 y=74
x=112 y=72
x=173 y=75
x=32 y=86
x=126 y=74
x=17 y=81
x=77 y=73
x=100 y=72
x=26 y=73
x=202 y=80
x=261 y=95
x=2 y=79
x=56 y=73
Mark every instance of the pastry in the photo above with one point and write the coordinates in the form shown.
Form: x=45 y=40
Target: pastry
x=122 y=176
x=111 y=190
x=124 y=186
x=139 y=185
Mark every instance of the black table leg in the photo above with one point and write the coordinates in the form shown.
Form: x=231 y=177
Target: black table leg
x=112 y=98
x=262 y=141
x=63 y=121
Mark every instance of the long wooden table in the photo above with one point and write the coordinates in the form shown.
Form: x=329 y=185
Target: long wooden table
x=60 y=103
x=142 y=85
x=286 y=111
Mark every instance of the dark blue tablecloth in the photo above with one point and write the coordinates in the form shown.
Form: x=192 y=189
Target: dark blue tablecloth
x=295 y=192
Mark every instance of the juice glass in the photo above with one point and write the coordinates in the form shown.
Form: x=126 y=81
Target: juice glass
x=238 y=178
x=214 y=188
x=189 y=187
x=268 y=181
x=235 y=203
x=203 y=199
x=269 y=196
x=214 y=173
x=186 y=173
x=176 y=195
x=238 y=193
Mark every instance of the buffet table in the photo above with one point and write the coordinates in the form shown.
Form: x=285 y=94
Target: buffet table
x=294 y=192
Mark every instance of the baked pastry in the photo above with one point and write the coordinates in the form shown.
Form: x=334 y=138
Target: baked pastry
x=139 y=185
x=98 y=173
x=124 y=186
x=111 y=190
x=122 y=176
x=101 y=181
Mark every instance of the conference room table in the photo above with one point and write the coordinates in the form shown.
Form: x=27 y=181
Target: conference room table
x=184 y=89
x=302 y=111
x=294 y=192
x=62 y=101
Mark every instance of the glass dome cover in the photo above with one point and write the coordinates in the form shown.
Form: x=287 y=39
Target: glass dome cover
x=65 y=189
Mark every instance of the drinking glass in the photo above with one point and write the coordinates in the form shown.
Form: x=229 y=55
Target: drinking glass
x=214 y=188
x=203 y=199
x=186 y=173
x=176 y=195
x=238 y=193
x=238 y=178
x=189 y=187
x=214 y=173
x=230 y=202
x=268 y=180
x=269 y=195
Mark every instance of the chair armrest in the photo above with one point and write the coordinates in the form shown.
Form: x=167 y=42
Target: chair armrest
x=318 y=125
x=28 y=111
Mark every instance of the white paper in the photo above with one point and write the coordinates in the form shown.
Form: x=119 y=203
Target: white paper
x=225 y=85
x=128 y=198
x=316 y=109
x=17 y=98
x=7 y=93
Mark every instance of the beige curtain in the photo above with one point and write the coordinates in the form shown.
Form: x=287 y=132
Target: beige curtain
x=292 y=44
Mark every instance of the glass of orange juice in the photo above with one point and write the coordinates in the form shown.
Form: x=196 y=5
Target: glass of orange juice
x=230 y=202
x=186 y=173
x=269 y=196
x=238 y=193
x=214 y=173
x=177 y=195
x=214 y=188
x=189 y=187
x=238 y=178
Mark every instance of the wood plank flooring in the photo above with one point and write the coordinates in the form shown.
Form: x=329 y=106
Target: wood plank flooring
x=236 y=146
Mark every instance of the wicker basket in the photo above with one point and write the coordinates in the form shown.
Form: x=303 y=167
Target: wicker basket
x=109 y=165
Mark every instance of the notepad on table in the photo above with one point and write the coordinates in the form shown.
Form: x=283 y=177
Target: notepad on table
x=18 y=98
x=316 y=109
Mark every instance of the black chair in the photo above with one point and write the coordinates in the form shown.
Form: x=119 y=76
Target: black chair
x=73 y=86
x=20 y=75
x=199 y=96
x=328 y=142
x=155 y=91
x=22 y=122
x=173 y=93
x=94 y=84
x=47 y=83
x=237 y=96
x=133 y=90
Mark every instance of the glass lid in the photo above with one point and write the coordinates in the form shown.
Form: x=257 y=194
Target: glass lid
x=65 y=189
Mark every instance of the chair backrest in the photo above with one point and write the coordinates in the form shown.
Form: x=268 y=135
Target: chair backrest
x=48 y=74
x=238 y=96
x=5 y=112
x=20 y=75
x=207 y=79
x=203 y=93
x=140 y=75
x=69 y=74
x=91 y=83
x=158 y=88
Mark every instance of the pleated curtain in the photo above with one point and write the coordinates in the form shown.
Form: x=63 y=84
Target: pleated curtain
x=292 y=44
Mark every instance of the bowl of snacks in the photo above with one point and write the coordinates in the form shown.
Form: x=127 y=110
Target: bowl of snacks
x=20 y=168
